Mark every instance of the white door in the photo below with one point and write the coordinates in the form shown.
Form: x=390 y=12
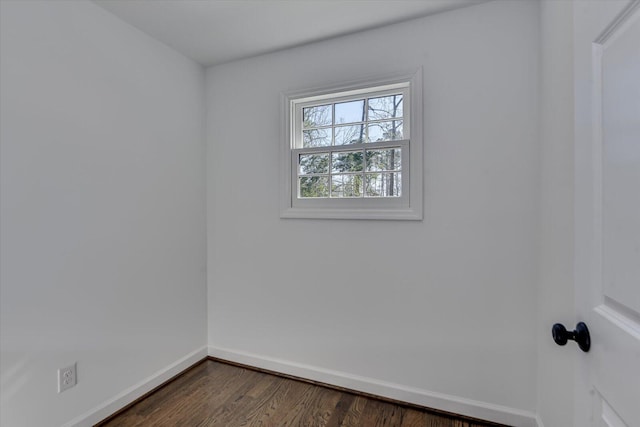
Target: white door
x=607 y=201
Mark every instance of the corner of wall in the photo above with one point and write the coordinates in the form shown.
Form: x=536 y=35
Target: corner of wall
x=555 y=284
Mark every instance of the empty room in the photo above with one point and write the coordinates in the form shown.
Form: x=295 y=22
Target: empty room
x=320 y=213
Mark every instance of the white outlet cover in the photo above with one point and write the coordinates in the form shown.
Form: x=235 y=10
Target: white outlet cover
x=67 y=378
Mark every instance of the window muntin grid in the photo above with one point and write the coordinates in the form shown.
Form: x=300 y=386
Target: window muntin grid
x=339 y=140
x=370 y=119
x=367 y=172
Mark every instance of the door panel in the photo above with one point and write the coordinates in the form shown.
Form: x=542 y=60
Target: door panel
x=609 y=417
x=620 y=80
x=615 y=372
x=607 y=130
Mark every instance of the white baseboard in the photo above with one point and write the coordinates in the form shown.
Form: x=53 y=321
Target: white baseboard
x=121 y=400
x=458 y=405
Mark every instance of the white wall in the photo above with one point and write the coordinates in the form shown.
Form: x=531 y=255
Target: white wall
x=450 y=305
x=103 y=213
x=555 y=296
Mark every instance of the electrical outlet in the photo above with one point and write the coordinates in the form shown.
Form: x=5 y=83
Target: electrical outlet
x=67 y=378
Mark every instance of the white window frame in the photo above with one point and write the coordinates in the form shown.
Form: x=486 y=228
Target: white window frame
x=407 y=206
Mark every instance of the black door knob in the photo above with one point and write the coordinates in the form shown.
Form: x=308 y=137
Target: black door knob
x=580 y=335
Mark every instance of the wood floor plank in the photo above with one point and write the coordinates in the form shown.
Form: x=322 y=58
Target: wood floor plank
x=381 y=414
x=215 y=394
x=341 y=410
x=214 y=411
x=262 y=396
x=303 y=413
x=320 y=408
x=413 y=418
x=282 y=403
x=241 y=401
x=352 y=418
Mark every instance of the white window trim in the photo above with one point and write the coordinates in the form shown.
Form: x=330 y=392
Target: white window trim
x=410 y=208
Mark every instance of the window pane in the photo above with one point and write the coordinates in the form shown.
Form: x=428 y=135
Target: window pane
x=385 y=131
x=316 y=138
x=346 y=185
x=314 y=163
x=314 y=186
x=349 y=161
x=384 y=184
x=313 y=117
x=384 y=160
x=386 y=107
x=349 y=112
x=349 y=134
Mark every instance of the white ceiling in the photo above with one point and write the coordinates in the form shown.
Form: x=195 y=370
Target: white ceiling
x=216 y=31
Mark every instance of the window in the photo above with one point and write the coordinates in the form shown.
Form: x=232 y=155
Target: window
x=354 y=152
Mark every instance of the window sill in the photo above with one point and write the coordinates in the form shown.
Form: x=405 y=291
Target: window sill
x=374 y=214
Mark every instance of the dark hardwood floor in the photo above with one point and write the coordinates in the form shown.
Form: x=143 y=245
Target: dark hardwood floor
x=219 y=394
